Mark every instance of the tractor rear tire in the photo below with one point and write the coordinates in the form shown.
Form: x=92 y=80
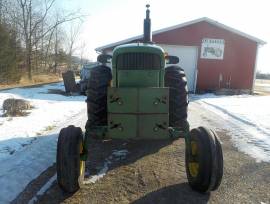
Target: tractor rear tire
x=70 y=169
x=175 y=79
x=204 y=160
x=97 y=96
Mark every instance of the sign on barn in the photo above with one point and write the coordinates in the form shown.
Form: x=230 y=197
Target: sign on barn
x=212 y=48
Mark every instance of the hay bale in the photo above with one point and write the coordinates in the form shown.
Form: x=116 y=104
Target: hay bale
x=16 y=107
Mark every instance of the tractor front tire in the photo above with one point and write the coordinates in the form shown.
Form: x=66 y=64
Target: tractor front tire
x=204 y=160
x=175 y=79
x=70 y=169
x=219 y=167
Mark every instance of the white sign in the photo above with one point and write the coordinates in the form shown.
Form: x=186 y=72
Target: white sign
x=212 y=48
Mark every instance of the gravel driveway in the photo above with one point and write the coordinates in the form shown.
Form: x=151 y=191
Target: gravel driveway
x=154 y=172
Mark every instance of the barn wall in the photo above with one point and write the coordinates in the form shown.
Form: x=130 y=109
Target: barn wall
x=237 y=65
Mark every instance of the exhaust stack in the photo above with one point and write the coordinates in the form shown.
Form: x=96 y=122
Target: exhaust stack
x=147 y=33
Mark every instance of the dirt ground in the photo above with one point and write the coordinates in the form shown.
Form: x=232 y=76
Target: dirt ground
x=153 y=172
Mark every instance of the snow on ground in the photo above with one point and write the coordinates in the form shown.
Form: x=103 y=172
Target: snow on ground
x=116 y=155
x=28 y=144
x=43 y=189
x=49 y=110
x=248 y=121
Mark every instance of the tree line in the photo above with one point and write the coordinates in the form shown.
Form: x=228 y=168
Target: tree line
x=260 y=75
x=34 y=38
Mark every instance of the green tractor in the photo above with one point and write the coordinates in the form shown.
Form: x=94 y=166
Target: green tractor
x=142 y=97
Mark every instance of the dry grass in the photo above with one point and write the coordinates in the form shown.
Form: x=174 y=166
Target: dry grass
x=49 y=128
x=36 y=79
x=16 y=107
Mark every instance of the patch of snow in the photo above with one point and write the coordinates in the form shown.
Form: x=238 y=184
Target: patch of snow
x=100 y=174
x=43 y=189
x=49 y=111
x=28 y=144
x=33 y=200
x=120 y=153
x=115 y=156
x=47 y=185
x=247 y=120
x=262 y=84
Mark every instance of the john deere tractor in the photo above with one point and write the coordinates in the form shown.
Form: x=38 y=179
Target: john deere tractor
x=142 y=97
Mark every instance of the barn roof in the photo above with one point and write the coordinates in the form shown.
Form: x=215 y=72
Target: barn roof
x=205 y=19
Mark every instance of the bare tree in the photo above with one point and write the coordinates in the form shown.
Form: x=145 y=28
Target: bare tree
x=56 y=46
x=29 y=27
x=34 y=20
x=1 y=10
x=82 y=51
x=36 y=28
x=48 y=47
x=72 y=38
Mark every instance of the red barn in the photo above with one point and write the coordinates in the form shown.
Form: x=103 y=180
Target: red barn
x=213 y=55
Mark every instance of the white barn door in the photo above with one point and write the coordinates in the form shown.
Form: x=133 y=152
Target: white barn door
x=187 y=60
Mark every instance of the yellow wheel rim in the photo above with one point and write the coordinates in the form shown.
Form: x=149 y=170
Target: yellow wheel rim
x=193 y=166
x=194 y=148
x=82 y=167
x=82 y=163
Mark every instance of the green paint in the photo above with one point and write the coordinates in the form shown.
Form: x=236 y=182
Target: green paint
x=122 y=100
x=138 y=78
x=138 y=126
x=138 y=113
x=153 y=126
x=154 y=100
x=122 y=126
x=138 y=100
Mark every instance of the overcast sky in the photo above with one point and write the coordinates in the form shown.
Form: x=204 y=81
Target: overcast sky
x=113 y=20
